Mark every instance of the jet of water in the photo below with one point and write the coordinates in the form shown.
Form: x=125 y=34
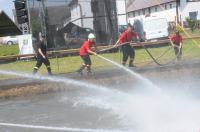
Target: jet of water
x=145 y=80
x=56 y=128
x=62 y=80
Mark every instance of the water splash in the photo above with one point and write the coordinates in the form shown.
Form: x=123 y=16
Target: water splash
x=64 y=80
x=145 y=80
x=56 y=128
x=150 y=113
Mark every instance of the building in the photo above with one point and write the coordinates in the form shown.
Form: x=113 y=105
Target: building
x=137 y=10
x=49 y=20
x=121 y=12
x=100 y=16
x=81 y=13
x=167 y=8
x=191 y=9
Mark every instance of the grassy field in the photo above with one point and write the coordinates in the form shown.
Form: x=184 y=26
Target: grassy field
x=9 y=50
x=71 y=64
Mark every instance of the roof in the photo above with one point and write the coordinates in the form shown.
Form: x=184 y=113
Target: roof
x=133 y=5
x=7 y=26
x=70 y=27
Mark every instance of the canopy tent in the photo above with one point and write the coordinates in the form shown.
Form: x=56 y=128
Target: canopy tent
x=7 y=26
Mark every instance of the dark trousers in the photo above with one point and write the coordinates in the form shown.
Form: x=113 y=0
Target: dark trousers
x=177 y=52
x=86 y=60
x=128 y=51
x=40 y=61
x=86 y=63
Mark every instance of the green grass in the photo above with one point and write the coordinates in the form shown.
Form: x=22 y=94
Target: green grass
x=71 y=64
x=9 y=50
x=195 y=32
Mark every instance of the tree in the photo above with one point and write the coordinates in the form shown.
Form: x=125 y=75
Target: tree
x=36 y=27
x=191 y=23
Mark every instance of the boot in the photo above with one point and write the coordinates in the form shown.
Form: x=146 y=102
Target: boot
x=124 y=63
x=35 y=70
x=131 y=64
x=49 y=71
x=80 y=71
x=89 y=72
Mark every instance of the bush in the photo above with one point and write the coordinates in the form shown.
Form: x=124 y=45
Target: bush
x=6 y=50
x=191 y=23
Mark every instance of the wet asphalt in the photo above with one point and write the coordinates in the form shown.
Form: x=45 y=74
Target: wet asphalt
x=64 y=108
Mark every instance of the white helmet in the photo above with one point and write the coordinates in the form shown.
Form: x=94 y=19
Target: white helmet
x=91 y=36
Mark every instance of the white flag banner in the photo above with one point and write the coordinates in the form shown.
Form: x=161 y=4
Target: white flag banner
x=25 y=44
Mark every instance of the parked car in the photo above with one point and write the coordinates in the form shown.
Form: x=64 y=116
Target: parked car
x=10 y=40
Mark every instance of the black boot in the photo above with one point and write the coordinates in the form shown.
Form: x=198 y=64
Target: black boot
x=89 y=72
x=49 y=71
x=35 y=71
x=80 y=71
x=124 y=63
x=131 y=64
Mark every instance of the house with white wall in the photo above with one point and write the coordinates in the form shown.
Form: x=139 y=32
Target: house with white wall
x=138 y=9
x=190 y=8
x=121 y=12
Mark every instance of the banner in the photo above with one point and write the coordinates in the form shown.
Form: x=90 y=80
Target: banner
x=25 y=44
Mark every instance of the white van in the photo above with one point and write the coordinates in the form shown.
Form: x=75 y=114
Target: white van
x=155 y=28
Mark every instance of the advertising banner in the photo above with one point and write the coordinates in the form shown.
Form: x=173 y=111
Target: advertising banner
x=25 y=44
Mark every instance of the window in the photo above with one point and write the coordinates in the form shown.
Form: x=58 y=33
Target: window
x=156 y=9
x=193 y=15
x=133 y=13
x=149 y=10
x=170 y=5
x=129 y=14
x=143 y=11
x=165 y=6
x=138 y=12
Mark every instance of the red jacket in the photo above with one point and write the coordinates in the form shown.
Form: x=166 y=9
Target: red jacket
x=176 y=39
x=127 y=37
x=85 y=47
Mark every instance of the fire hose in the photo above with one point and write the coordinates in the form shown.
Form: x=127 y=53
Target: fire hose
x=148 y=52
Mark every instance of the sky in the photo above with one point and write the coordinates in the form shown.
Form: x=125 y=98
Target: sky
x=7 y=6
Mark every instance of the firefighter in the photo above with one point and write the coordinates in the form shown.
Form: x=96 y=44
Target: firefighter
x=85 y=52
x=42 y=55
x=177 y=44
x=128 y=51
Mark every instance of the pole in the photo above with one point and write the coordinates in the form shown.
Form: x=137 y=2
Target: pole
x=177 y=12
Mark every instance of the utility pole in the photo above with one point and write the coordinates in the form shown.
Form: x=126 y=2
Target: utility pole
x=126 y=11
x=42 y=15
x=177 y=11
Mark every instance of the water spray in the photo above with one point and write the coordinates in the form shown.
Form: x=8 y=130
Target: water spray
x=148 y=82
x=59 y=79
x=56 y=128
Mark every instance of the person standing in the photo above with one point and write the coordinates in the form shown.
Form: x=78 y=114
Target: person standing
x=42 y=56
x=128 y=51
x=85 y=52
x=177 y=41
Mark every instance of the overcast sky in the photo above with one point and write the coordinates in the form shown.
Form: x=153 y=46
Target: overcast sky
x=7 y=6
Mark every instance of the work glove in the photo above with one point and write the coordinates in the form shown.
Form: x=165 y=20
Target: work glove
x=44 y=57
